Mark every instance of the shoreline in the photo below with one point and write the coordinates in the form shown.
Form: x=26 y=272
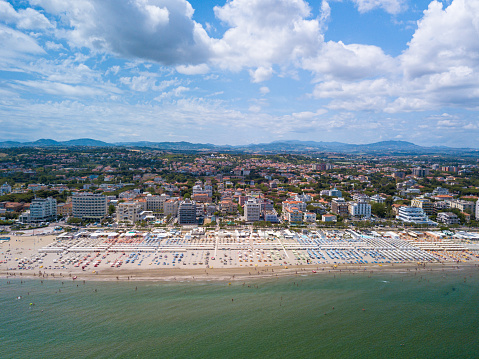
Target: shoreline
x=233 y=274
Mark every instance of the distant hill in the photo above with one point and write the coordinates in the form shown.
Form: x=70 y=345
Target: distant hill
x=82 y=142
x=300 y=146
x=88 y=142
x=286 y=146
x=171 y=145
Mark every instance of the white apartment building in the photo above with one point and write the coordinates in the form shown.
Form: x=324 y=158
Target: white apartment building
x=293 y=215
x=463 y=206
x=156 y=203
x=359 y=209
x=377 y=199
x=448 y=218
x=361 y=197
x=303 y=198
x=271 y=216
x=41 y=210
x=170 y=207
x=89 y=206
x=297 y=204
x=414 y=215
x=206 y=189
x=309 y=217
x=252 y=210
x=128 y=212
x=426 y=205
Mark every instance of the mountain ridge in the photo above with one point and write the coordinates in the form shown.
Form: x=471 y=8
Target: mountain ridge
x=291 y=146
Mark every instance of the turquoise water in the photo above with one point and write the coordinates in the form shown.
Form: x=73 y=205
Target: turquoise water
x=427 y=315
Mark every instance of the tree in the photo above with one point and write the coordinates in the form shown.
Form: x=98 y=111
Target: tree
x=111 y=209
x=73 y=220
x=378 y=209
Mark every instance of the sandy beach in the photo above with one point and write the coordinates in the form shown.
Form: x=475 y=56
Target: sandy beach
x=31 y=257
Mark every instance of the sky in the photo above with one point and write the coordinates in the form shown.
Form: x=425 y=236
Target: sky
x=240 y=71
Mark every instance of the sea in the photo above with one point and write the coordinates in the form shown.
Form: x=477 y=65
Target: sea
x=409 y=314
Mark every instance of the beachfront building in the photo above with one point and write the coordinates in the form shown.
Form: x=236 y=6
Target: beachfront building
x=271 y=216
x=266 y=205
x=462 y=205
x=426 y=205
x=340 y=207
x=414 y=215
x=170 y=207
x=252 y=210
x=156 y=203
x=41 y=210
x=360 y=209
x=128 y=212
x=89 y=206
x=448 y=218
x=64 y=209
x=187 y=212
x=293 y=215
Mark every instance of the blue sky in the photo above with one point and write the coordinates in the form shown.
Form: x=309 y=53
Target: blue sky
x=240 y=71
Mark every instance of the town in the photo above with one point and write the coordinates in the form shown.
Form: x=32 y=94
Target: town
x=145 y=188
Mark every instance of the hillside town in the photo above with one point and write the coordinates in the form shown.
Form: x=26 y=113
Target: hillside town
x=145 y=188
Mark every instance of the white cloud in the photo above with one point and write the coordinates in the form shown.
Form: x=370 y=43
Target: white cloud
x=439 y=67
x=263 y=38
x=176 y=92
x=349 y=62
x=113 y=70
x=445 y=38
x=16 y=44
x=264 y=90
x=471 y=126
x=447 y=123
x=24 y=18
x=193 y=70
x=265 y=32
x=157 y=30
x=57 y=88
x=50 y=45
x=261 y=74
x=325 y=14
x=306 y=115
x=255 y=108
x=147 y=82
x=390 y=6
x=349 y=90
x=68 y=70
